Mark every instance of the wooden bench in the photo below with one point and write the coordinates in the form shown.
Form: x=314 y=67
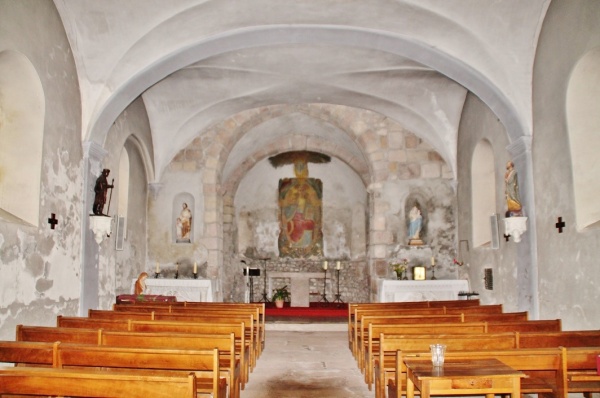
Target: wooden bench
x=61 y=355
x=123 y=323
x=249 y=316
x=229 y=362
x=389 y=345
x=546 y=373
x=575 y=338
x=363 y=321
x=582 y=373
x=94 y=336
x=93 y=383
x=370 y=347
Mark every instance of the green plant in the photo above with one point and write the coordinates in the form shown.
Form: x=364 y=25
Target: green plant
x=281 y=294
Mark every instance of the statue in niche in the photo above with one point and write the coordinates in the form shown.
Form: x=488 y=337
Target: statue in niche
x=184 y=224
x=415 y=224
x=511 y=191
x=100 y=189
x=300 y=206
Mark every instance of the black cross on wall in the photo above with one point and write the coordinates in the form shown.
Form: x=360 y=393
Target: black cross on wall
x=560 y=225
x=53 y=221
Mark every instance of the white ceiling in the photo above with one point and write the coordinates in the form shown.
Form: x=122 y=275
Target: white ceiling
x=197 y=62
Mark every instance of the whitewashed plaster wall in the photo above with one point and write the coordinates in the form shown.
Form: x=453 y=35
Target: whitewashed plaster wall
x=40 y=267
x=479 y=123
x=569 y=281
x=162 y=208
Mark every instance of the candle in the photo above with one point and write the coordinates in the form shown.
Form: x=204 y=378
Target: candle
x=176 y=266
x=432 y=260
x=338 y=265
x=247 y=271
x=157 y=268
x=325 y=265
x=195 y=267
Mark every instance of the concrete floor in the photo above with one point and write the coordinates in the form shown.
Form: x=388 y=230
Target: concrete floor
x=300 y=361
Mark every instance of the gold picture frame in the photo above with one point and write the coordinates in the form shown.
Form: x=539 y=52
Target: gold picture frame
x=418 y=273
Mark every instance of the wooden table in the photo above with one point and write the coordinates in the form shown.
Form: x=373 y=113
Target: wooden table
x=462 y=377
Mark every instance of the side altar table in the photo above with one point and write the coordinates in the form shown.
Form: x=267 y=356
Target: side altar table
x=183 y=289
x=429 y=290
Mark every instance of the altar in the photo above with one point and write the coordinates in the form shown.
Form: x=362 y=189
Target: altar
x=300 y=289
x=428 y=290
x=183 y=289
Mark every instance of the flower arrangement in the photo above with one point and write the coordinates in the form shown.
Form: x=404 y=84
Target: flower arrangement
x=400 y=268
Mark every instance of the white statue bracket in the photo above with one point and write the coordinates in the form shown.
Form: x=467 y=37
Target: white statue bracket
x=515 y=227
x=101 y=226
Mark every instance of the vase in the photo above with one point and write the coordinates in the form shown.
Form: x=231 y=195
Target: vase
x=400 y=276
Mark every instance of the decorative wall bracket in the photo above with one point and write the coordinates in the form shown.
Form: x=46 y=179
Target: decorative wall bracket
x=515 y=227
x=101 y=226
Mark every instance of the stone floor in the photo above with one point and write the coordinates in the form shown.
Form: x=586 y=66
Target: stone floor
x=300 y=361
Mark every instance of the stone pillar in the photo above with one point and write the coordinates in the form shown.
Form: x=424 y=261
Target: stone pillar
x=93 y=154
x=526 y=261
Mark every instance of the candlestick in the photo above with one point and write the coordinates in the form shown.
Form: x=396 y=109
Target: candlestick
x=325 y=265
x=338 y=265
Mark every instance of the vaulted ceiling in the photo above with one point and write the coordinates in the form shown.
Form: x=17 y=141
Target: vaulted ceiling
x=197 y=62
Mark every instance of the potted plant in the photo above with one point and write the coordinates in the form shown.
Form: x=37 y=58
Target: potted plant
x=280 y=296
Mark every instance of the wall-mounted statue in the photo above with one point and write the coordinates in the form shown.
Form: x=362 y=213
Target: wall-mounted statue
x=184 y=224
x=100 y=190
x=511 y=191
x=415 y=224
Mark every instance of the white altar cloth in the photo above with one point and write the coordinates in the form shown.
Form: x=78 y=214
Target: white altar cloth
x=428 y=290
x=183 y=289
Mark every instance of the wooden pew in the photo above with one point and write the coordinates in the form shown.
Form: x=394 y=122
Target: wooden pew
x=203 y=363
x=389 y=345
x=543 y=325
x=370 y=348
x=575 y=338
x=171 y=312
x=93 y=383
x=582 y=373
x=256 y=309
x=546 y=373
x=242 y=346
x=52 y=334
x=94 y=336
x=361 y=328
x=123 y=323
x=229 y=361
x=494 y=317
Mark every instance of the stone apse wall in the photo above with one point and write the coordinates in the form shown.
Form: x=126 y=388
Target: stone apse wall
x=378 y=170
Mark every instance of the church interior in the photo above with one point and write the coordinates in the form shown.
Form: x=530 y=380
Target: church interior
x=195 y=140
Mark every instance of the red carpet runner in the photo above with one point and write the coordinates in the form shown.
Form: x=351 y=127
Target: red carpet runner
x=324 y=311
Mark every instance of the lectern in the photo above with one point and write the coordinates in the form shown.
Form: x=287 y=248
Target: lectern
x=251 y=272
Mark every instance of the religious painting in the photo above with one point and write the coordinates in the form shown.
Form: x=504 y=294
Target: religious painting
x=300 y=206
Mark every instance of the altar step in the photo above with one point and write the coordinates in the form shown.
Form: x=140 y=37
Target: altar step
x=306 y=327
